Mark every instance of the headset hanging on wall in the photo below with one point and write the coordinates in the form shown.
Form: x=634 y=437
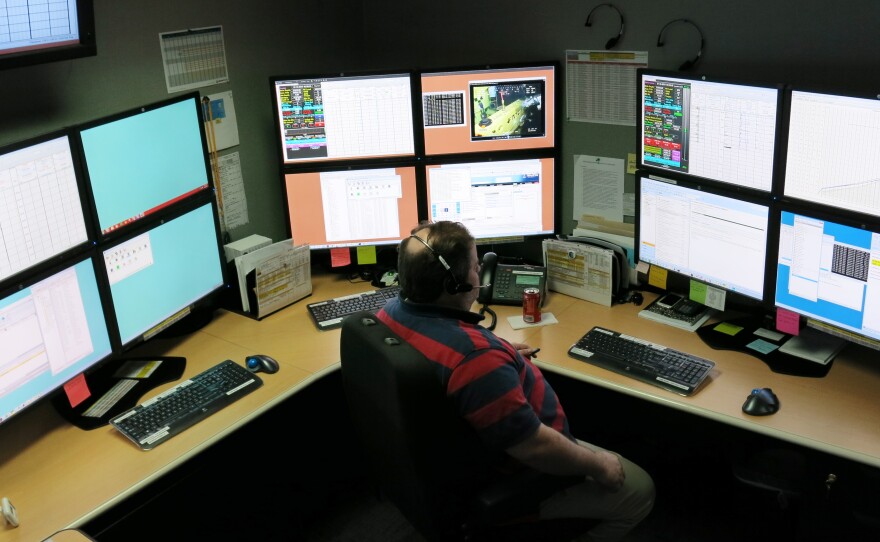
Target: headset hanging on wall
x=687 y=64
x=613 y=41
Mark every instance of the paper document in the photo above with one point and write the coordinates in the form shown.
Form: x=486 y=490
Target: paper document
x=579 y=270
x=273 y=277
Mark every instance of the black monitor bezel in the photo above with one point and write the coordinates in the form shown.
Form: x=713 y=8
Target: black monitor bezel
x=84 y=196
x=125 y=114
x=311 y=164
x=679 y=282
x=86 y=47
x=778 y=155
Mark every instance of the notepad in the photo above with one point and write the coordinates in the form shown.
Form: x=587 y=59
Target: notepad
x=813 y=345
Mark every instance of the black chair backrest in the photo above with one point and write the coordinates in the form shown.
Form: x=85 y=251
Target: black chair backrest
x=425 y=458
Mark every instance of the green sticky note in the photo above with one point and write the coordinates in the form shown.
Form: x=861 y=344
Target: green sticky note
x=728 y=329
x=698 y=292
x=366 y=255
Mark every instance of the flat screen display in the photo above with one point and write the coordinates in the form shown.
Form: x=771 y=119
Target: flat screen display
x=352 y=207
x=832 y=156
x=145 y=160
x=33 y=32
x=42 y=213
x=719 y=131
x=158 y=275
x=714 y=238
x=489 y=109
x=498 y=200
x=50 y=331
x=344 y=117
x=830 y=271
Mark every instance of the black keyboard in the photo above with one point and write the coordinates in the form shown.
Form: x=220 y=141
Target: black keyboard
x=643 y=360
x=156 y=420
x=329 y=314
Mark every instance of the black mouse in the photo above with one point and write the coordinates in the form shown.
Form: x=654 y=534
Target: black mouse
x=261 y=362
x=761 y=402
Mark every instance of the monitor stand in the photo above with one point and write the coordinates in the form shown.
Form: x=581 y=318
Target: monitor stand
x=145 y=373
x=758 y=337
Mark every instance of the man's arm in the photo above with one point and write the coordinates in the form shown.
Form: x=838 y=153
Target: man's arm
x=549 y=451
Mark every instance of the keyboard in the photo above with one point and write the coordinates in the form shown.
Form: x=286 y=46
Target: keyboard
x=643 y=360
x=156 y=420
x=329 y=314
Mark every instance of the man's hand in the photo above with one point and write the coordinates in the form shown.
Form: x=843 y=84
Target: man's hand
x=610 y=471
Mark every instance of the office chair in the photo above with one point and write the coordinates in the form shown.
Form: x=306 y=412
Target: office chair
x=425 y=459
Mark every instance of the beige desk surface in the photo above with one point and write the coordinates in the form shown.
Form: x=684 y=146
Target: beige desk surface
x=59 y=476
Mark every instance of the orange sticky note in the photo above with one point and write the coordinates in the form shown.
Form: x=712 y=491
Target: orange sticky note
x=787 y=321
x=77 y=390
x=340 y=257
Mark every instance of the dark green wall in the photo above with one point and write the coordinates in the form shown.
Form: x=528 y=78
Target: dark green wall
x=804 y=42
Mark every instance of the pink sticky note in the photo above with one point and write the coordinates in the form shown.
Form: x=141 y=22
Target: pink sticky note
x=77 y=390
x=787 y=321
x=340 y=257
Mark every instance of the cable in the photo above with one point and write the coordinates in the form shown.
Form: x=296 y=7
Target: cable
x=687 y=64
x=613 y=41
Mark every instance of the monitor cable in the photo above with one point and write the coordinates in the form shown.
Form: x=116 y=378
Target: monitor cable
x=687 y=64
x=613 y=41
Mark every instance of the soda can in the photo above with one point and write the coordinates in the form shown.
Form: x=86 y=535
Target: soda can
x=531 y=305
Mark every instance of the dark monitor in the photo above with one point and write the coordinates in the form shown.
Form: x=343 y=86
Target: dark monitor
x=52 y=328
x=828 y=269
x=489 y=109
x=43 y=216
x=164 y=271
x=708 y=129
x=831 y=158
x=498 y=200
x=341 y=117
x=716 y=237
x=351 y=207
x=38 y=32
x=144 y=160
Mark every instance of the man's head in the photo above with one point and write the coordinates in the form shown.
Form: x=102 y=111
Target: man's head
x=441 y=266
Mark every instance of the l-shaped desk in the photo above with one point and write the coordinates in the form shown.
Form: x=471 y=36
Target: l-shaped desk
x=59 y=476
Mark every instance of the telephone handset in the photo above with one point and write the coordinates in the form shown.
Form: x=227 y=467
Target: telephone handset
x=507 y=282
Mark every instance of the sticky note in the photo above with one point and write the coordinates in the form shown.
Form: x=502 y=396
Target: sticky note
x=631 y=162
x=697 y=292
x=366 y=255
x=728 y=328
x=77 y=390
x=657 y=277
x=788 y=321
x=762 y=346
x=339 y=257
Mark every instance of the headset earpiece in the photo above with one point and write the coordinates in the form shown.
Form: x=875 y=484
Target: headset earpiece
x=613 y=41
x=450 y=283
x=687 y=64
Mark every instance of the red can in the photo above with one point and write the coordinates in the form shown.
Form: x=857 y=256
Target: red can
x=531 y=305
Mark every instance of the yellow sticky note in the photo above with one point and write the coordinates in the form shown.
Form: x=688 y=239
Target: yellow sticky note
x=728 y=329
x=657 y=277
x=366 y=255
x=631 y=162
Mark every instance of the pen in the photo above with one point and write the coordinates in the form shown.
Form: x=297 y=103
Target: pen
x=535 y=351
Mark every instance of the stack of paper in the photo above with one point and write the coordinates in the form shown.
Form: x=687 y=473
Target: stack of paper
x=273 y=277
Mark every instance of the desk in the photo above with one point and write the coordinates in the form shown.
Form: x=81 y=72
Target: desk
x=59 y=476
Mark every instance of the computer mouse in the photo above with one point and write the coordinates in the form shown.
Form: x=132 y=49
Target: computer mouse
x=761 y=402
x=261 y=362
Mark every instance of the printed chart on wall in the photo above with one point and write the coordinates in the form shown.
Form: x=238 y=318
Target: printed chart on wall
x=193 y=58
x=601 y=85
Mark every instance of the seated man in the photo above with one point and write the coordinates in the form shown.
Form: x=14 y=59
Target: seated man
x=498 y=390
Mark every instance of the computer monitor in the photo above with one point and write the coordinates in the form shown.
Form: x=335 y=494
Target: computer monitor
x=146 y=159
x=828 y=269
x=351 y=207
x=487 y=109
x=708 y=129
x=342 y=117
x=715 y=237
x=52 y=328
x=832 y=156
x=43 y=216
x=498 y=200
x=164 y=271
x=38 y=32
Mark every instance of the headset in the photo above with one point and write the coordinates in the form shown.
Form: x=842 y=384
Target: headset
x=613 y=41
x=687 y=64
x=452 y=286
